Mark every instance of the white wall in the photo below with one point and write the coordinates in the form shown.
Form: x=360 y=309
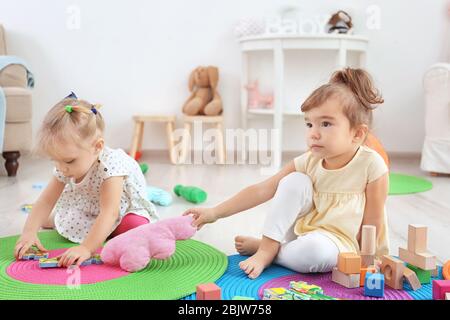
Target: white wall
x=135 y=57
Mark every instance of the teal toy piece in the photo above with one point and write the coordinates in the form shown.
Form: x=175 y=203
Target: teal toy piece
x=159 y=196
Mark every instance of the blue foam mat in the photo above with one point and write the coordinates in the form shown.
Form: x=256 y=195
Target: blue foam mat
x=235 y=282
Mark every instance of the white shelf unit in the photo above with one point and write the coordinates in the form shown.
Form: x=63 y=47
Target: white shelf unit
x=278 y=44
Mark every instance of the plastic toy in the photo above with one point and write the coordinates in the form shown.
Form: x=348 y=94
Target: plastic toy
x=34 y=254
x=134 y=249
x=190 y=193
x=374 y=285
x=276 y=294
x=159 y=196
x=446 y=270
x=209 y=291
x=46 y=263
x=39 y=185
x=256 y=99
x=373 y=143
x=304 y=287
x=440 y=288
x=424 y=276
x=26 y=208
x=297 y=291
x=364 y=271
x=144 y=167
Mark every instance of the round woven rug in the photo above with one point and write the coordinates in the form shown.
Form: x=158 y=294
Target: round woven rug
x=235 y=282
x=193 y=263
x=332 y=289
x=404 y=184
x=30 y=272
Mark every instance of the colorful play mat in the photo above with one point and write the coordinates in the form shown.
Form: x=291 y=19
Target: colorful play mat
x=193 y=262
x=176 y=278
x=405 y=184
x=236 y=283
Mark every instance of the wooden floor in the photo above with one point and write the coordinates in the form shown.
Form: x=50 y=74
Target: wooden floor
x=431 y=208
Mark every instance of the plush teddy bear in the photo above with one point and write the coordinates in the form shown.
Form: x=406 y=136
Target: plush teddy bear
x=134 y=249
x=204 y=99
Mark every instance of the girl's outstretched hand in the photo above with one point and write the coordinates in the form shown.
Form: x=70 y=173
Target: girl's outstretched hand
x=25 y=242
x=75 y=255
x=201 y=216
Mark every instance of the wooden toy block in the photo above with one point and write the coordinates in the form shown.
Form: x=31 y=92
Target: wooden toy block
x=368 y=240
x=367 y=260
x=392 y=269
x=208 y=291
x=435 y=272
x=347 y=280
x=424 y=276
x=446 y=270
x=374 y=285
x=440 y=288
x=425 y=261
x=417 y=238
x=412 y=279
x=377 y=264
x=349 y=263
x=364 y=271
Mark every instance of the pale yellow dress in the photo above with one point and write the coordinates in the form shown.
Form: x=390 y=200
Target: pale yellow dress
x=339 y=199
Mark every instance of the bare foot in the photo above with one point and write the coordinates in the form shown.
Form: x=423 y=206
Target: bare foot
x=254 y=265
x=266 y=253
x=246 y=246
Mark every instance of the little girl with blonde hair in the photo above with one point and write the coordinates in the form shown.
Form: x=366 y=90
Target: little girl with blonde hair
x=321 y=199
x=95 y=192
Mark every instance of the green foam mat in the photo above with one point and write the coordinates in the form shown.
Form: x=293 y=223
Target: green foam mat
x=405 y=184
x=193 y=263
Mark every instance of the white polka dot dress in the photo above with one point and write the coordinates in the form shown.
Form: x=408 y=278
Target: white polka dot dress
x=79 y=204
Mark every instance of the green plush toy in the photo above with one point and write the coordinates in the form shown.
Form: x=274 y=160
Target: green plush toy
x=190 y=193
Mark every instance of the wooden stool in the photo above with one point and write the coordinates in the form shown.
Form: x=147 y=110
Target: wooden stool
x=217 y=120
x=138 y=135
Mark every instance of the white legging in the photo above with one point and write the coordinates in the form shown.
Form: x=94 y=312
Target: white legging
x=312 y=252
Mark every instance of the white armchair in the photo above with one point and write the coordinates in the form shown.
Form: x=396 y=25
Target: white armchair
x=436 y=147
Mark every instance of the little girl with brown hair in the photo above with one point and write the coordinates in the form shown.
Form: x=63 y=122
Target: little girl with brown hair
x=321 y=199
x=96 y=192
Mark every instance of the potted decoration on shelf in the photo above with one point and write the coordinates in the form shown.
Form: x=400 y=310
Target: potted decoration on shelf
x=256 y=100
x=340 y=22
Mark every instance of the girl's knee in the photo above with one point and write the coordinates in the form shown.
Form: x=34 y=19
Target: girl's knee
x=295 y=182
x=130 y=221
x=309 y=254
